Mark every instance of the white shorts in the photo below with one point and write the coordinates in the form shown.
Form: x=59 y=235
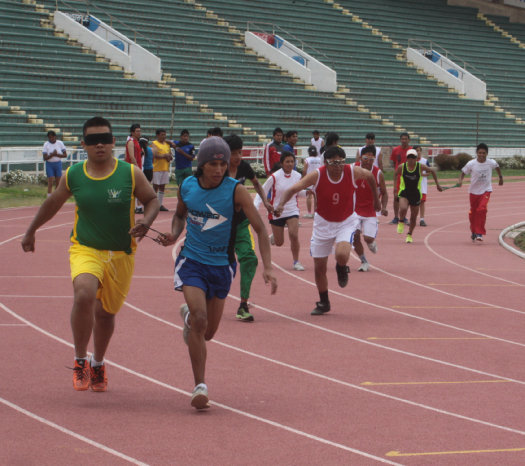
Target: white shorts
x=368 y=226
x=326 y=233
x=161 y=177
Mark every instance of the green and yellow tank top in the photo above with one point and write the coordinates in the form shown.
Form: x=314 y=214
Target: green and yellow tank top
x=410 y=180
x=105 y=207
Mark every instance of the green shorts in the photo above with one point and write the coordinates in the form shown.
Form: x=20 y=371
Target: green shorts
x=182 y=173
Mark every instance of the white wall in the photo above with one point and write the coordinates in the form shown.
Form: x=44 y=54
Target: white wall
x=473 y=87
x=316 y=73
x=144 y=64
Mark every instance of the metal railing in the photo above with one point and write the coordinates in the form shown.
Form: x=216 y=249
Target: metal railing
x=428 y=45
x=254 y=27
x=112 y=19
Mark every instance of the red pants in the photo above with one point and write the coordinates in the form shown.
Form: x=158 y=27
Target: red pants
x=478 y=212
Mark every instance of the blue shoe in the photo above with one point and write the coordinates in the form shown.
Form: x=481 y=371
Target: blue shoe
x=394 y=221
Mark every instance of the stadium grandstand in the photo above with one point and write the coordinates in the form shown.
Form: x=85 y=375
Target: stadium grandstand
x=210 y=77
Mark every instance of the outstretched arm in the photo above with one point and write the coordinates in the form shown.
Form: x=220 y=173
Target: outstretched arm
x=262 y=195
x=384 y=194
x=46 y=212
x=177 y=224
x=243 y=200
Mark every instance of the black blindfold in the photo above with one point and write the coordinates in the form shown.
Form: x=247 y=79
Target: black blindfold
x=98 y=138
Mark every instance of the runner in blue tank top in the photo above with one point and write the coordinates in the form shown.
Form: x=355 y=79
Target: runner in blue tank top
x=207 y=205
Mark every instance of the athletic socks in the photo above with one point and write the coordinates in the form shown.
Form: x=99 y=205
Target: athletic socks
x=94 y=363
x=363 y=259
x=160 y=196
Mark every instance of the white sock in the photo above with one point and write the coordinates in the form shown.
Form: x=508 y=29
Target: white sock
x=94 y=363
x=203 y=385
x=81 y=359
x=160 y=196
x=363 y=259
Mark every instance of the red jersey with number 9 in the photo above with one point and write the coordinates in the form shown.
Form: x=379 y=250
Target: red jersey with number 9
x=335 y=199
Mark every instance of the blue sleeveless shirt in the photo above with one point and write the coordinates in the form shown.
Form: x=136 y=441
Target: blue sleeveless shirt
x=211 y=221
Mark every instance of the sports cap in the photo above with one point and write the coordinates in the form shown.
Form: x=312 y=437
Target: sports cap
x=412 y=153
x=213 y=148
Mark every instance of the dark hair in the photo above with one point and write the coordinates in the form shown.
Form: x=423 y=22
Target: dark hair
x=160 y=130
x=277 y=130
x=315 y=131
x=369 y=150
x=334 y=151
x=234 y=141
x=370 y=136
x=285 y=154
x=404 y=134
x=482 y=145
x=133 y=127
x=416 y=147
x=331 y=139
x=51 y=133
x=96 y=121
x=216 y=131
x=290 y=133
x=143 y=141
x=184 y=131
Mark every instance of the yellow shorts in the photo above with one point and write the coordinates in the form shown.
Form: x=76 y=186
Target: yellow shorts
x=114 y=270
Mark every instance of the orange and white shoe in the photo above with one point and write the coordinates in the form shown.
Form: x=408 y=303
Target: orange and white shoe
x=98 y=380
x=81 y=375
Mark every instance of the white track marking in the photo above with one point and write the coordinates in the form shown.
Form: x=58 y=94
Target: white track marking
x=406 y=314
x=71 y=433
x=220 y=405
x=458 y=264
x=341 y=382
x=40 y=229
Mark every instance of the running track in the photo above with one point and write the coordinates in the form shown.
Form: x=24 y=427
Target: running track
x=420 y=361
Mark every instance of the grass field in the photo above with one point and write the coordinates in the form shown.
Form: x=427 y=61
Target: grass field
x=25 y=195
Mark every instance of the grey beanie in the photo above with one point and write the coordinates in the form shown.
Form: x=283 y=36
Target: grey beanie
x=213 y=148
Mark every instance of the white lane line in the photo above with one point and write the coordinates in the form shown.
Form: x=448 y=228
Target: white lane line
x=406 y=314
x=220 y=405
x=71 y=433
x=456 y=264
x=40 y=229
x=347 y=384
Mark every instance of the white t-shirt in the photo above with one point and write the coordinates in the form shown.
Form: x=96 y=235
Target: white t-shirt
x=276 y=184
x=317 y=144
x=314 y=163
x=378 y=151
x=50 y=148
x=480 y=175
x=424 y=179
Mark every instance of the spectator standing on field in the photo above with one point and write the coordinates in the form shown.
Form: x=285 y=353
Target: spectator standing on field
x=317 y=141
x=53 y=152
x=134 y=155
x=147 y=166
x=273 y=150
x=370 y=140
x=424 y=186
x=161 y=165
x=184 y=155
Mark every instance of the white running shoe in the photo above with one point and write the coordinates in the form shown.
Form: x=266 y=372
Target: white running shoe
x=372 y=246
x=184 y=311
x=364 y=267
x=199 y=397
x=272 y=240
x=298 y=266
x=308 y=216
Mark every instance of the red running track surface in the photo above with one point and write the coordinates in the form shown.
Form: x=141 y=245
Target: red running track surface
x=420 y=361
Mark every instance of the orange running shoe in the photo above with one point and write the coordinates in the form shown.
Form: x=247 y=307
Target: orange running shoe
x=99 y=381
x=81 y=375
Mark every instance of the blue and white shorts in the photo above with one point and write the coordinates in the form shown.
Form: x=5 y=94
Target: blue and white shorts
x=214 y=280
x=54 y=169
